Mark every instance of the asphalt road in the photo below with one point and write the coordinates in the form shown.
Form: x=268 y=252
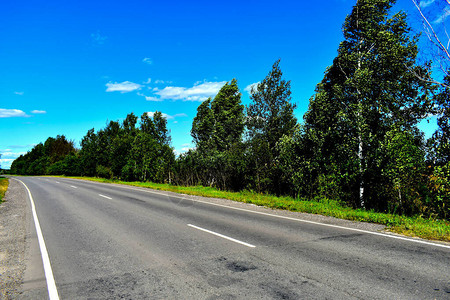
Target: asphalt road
x=111 y=242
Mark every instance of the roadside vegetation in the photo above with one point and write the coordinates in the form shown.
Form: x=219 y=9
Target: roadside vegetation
x=4 y=182
x=359 y=143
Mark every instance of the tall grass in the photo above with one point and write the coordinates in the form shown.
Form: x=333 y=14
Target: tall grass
x=411 y=226
x=3 y=187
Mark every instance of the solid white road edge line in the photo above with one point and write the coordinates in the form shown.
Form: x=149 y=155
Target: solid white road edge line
x=222 y=236
x=286 y=218
x=51 y=285
x=105 y=196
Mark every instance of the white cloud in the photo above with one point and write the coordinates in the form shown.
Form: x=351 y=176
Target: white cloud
x=199 y=92
x=166 y=116
x=6 y=163
x=10 y=113
x=11 y=155
x=38 y=111
x=442 y=17
x=147 y=60
x=158 y=81
x=98 y=39
x=123 y=87
x=424 y=4
x=7 y=157
x=249 y=87
x=19 y=93
x=148 y=81
x=150 y=98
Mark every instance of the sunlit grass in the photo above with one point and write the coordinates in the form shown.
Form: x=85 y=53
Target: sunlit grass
x=410 y=226
x=3 y=187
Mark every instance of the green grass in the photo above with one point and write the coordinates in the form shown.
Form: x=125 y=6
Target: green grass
x=3 y=187
x=410 y=226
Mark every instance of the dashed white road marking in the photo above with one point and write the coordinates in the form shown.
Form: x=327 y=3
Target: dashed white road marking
x=72 y=186
x=105 y=196
x=419 y=241
x=222 y=236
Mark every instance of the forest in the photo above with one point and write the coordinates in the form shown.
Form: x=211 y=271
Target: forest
x=359 y=141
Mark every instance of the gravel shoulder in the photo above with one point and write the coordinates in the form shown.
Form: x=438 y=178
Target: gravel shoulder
x=15 y=216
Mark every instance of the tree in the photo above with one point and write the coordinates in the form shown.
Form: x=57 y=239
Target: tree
x=88 y=153
x=270 y=116
x=403 y=167
x=368 y=89
x=217 y=132
x=228 y=115
x=441 y=138
x=162 y=134
x=203 y=124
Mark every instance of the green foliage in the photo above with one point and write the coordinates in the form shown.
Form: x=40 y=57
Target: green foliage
x=403 y=163
x=117 y=151
x=439 y=186
x=42 y=157
x=270 y=116
x=368 y=90
x=125 y=151
x=217 y=132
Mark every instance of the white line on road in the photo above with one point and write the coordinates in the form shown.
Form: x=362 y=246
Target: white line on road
x=419 y=241
x=57 y=182
x=105 y=196
x=51 y=285
x=222 y=236
x=73 y=186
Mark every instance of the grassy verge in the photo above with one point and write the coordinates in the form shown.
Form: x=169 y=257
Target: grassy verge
x=410 y=226
x=3 y=187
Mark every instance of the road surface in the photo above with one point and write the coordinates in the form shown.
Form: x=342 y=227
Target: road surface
x=118 y=242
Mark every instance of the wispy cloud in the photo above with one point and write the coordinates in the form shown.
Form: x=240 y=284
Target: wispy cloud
x=19 y=93
x=11 y=113
x=150 y=98
x=147 y=60
x=123 y=87
x=98 y=39
x=148 y=81
x=442 y=17
x=424 y=4
x=158 y=81
x=21 y=146
x=199 y=92
x=166 y=116
x=38 y=112
x=249 y=87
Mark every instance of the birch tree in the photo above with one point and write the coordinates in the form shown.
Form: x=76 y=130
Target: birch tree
x=368 y=89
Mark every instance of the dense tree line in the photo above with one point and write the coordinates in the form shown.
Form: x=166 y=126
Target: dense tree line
x=359 y=142
x=122 y=151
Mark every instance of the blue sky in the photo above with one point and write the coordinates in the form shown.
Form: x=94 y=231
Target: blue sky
x=69 y=66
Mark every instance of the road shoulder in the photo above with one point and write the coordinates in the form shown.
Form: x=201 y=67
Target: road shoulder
x=14 y=217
